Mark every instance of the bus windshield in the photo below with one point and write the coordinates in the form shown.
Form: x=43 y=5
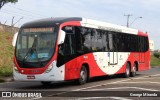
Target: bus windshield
x=35 y=44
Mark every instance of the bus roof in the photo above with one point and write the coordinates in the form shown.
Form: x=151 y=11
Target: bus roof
x=107 y=26
x=49 y=22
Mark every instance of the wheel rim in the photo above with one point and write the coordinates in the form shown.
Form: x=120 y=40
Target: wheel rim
x=127 y=70
x=134 y=69
x=83 y=76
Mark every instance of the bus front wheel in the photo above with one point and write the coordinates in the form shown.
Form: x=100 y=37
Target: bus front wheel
x=83 y=76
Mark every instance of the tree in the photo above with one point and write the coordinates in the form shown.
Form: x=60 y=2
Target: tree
x=3 y=2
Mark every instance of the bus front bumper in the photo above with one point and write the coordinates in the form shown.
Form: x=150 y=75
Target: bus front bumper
x=39 y=77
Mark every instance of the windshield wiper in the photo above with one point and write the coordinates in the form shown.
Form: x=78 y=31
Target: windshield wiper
x=26 y=56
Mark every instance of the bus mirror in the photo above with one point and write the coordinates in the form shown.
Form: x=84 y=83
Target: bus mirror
x=14 y=39
x=61 y=37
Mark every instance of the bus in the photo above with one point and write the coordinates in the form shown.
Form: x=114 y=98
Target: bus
x=76 y=48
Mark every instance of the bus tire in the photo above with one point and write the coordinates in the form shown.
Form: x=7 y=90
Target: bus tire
x=83 y=76
x=46 y=83
x=127 y=71
x=133 y=73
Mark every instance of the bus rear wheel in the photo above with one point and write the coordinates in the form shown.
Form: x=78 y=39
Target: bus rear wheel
x=127 y=71
x=83 y=76
x=133 y=73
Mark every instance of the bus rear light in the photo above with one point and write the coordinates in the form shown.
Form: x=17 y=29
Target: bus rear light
x=49 y=68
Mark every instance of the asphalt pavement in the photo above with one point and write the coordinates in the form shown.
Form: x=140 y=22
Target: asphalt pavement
x=145 y=86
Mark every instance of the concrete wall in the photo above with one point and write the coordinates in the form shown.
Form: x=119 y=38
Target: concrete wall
x=8 y=28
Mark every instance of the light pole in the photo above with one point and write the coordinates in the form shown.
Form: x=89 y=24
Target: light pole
x=13 y=29
x=128 y=16
x=17 y=21
x=135 y=20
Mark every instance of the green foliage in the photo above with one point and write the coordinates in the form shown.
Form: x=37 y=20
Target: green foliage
x=3 y=2
x=6 y=53
x=6 y=71
x=155 y=61
x=157 y=54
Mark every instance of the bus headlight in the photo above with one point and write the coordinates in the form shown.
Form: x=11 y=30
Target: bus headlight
x=49 y=68
x=15 y=68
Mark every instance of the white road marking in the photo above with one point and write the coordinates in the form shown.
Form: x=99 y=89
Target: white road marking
x=113 y=82
x=144 y=82
x=91 y=98
x=101 y=85
x=146 y=76
x=155 y=75
x=149 y=78
x=139 y=88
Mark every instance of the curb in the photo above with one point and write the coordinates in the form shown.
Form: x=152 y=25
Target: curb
x=6 y=79
x=155 y=67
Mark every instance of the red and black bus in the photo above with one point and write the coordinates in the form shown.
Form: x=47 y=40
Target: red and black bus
x=75 y=48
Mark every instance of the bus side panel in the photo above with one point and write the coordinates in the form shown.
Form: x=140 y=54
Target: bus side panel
x=134 y=57
x=71 y=70
x=123 y=66
x=73 y=67
x=94 y=68
x=147 y=59
x=146 y=64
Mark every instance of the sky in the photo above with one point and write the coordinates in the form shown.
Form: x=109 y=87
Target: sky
x=111 y=11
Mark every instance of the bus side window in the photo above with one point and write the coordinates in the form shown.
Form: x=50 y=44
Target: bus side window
x=110 y=37
x=94 y=39
x=140 y=44
x=83 y=40
x=80 y=38
x=99 y=43
x=115 y=41
x=146 y=43
x=105 y=40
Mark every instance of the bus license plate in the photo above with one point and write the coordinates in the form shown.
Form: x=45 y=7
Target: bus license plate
x=31 y=77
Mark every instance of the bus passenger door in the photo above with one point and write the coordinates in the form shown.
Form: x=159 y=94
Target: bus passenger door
x=113 y=56
x=66 y=50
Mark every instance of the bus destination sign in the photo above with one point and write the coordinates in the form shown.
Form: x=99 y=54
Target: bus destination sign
x=38 y=29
